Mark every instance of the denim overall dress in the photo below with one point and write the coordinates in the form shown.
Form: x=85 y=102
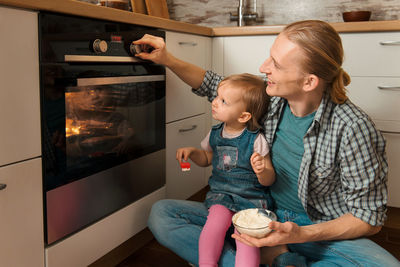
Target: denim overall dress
x=233 y=182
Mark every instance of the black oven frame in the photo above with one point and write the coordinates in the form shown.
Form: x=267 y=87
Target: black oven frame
x=72 y=206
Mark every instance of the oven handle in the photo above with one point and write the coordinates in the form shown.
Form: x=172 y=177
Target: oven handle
x=119 y=80
x=80 y=58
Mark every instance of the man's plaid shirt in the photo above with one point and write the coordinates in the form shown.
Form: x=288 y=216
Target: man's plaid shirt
x=344 y=166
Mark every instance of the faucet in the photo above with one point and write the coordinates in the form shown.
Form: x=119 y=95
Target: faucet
x=241 y=16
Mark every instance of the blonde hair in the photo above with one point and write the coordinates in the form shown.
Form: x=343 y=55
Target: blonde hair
x=254 y=96
x=323 y=51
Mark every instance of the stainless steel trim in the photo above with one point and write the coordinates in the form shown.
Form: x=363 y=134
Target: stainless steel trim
x=188 y=129
x=80 y=58
x=187 y=43
x=3 y=186
x=389 y=43
x=102 y=193
x=118 y=80
x=389 y=132
x=389 y=87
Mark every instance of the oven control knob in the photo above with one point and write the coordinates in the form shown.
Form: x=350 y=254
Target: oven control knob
x=135 y=49
x=100 y=46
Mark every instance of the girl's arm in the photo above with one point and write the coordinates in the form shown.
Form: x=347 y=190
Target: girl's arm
x=263 y=168
x=200 y=157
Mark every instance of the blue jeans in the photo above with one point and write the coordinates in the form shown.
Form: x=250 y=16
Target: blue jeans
x=177 y=224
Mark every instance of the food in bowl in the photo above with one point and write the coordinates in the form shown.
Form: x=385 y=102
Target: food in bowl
x=252 y=222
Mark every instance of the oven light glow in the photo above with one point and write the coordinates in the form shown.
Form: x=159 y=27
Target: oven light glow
x=70 y=129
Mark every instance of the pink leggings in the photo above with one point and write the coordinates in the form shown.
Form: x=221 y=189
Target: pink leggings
x=212 y=238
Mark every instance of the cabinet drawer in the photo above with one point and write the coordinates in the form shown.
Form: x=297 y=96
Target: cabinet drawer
x=380 y=104
x=181 y=102
x=246 y=54
x=21 y=209
x=366 y=56
x=189 y=47
x=188 y=132
x=19 y=94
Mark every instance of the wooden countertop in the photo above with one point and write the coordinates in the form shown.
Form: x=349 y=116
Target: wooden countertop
x=362 y=26
x=99 y=12
x=84 y=9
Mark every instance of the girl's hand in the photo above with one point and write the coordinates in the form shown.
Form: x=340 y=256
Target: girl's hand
x=257 y=162
x=184 y=153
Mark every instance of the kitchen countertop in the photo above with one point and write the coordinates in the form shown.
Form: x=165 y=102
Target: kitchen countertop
x=362 y=26
x=73 y=7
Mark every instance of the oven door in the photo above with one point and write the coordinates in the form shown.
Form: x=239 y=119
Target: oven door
x=103 y=141
x=91 y=123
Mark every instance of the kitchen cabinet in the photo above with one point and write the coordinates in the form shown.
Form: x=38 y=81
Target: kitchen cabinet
x=183 y=133
x=181 y=102
x=243 y=53
x=21 y=209
x=372 y=54
x=21 y=202
x=373 y=62
x=187 y=115
x=19 y=78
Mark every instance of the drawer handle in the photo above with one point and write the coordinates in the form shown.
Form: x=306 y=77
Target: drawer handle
x=188 y=129
x=389 y=87
x=389 y=132
x=390 y=43
x=187 y=43
x=3 y=186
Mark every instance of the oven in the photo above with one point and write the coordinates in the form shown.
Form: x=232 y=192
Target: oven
x=102 y=119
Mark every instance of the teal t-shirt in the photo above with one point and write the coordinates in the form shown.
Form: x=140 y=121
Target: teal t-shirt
x=286 y=154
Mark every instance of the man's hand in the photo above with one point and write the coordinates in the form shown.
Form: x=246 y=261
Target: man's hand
x=283 y=233
x=159 y=55
x=345 y=227
x=187 y=72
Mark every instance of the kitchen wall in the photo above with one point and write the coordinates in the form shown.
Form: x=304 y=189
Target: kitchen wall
x=215 y=13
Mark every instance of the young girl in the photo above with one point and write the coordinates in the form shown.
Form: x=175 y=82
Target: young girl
x=241 y=164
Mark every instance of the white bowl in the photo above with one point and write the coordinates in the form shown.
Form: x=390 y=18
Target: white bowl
x=253 y=223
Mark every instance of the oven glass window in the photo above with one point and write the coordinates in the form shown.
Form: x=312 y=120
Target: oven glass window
x=100 y=123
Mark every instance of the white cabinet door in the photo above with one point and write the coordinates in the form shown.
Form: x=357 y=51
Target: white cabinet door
x=393 y=155
x=181 y=102
x=21 y=215
x=373 y=62
x=188 y=132
x=19 y=79
x=366 y=56
x=380 y=104
x=245 y=53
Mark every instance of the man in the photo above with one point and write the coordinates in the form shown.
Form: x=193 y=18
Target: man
x=330 y=161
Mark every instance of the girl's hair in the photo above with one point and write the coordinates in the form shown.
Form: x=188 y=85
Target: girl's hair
x=323 y=51
x=254 y=96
